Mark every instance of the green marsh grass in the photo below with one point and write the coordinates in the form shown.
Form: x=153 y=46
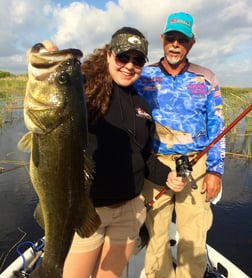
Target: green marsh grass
x=239 y=139
x=12 y=85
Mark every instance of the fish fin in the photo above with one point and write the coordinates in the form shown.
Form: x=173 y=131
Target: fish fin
x=91 y=220
x=25 y=143
x=35 y=155
x=38 y=215
x=88 y=218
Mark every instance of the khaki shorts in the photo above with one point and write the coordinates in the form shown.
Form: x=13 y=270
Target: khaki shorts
x=118 y=225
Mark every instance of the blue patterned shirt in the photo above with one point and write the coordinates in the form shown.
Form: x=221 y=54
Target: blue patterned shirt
x=187 y=110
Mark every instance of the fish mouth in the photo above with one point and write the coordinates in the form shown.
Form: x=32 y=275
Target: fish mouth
x=40 y=57
x=42 y=62
x=48 y=59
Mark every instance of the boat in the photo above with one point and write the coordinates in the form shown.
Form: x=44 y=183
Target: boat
x=26 y=261
x=218 y=266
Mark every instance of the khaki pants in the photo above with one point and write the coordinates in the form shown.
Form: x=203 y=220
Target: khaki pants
x=193 y=220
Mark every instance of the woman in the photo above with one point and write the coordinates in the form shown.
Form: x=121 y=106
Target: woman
x=120 y=135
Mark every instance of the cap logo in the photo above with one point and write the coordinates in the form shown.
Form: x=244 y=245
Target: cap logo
x=175 y=20
x=134 y=40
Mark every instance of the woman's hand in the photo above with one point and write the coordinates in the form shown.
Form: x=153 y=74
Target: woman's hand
x=176 y=183
x=49 y=46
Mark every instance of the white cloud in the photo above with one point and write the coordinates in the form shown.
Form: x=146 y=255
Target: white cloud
x=84 y=26
x=224 y=30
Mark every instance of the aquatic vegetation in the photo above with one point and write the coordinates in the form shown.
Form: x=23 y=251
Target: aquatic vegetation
x=12 y=90
x=239 y=139
x=10 y=85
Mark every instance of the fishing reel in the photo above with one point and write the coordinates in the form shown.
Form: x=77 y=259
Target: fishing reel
x=21 y=274
x=184 y=169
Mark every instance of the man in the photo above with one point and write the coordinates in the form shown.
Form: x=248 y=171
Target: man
x=186 y=105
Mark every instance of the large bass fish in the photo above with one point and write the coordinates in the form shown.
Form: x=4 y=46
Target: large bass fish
x=60 y=171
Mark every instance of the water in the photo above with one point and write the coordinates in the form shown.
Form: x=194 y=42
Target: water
x=231 y=233
x=17 y=197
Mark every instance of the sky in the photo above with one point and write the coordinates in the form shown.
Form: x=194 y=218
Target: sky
x=223 y=30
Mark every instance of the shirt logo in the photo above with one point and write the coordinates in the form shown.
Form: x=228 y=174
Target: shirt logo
x=197 y=89
x=142 y=114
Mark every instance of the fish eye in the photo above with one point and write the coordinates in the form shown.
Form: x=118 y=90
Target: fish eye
x=63 y=78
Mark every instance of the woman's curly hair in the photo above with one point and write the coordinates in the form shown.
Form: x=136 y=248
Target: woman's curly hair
x=98 y=83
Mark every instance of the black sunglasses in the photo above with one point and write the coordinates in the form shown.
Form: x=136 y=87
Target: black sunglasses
x=173 y=38
x=123 y=58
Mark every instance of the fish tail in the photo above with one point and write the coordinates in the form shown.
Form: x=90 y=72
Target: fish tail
x=90 y=220
x=46 y=271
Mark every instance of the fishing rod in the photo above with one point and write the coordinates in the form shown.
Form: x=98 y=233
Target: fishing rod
x=184 y=166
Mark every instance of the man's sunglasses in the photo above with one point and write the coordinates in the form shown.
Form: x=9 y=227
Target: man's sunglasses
x=173 y=38
x=123 y=59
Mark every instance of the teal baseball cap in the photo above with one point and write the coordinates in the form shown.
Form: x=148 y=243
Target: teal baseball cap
x=180 y=22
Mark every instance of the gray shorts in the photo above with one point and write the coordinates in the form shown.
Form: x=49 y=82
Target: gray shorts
x=118 y=225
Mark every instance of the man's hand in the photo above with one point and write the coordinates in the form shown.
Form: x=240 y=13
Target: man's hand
x=174 y=182
x=211 y=185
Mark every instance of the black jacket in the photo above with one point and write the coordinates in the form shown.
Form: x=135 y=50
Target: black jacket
x=120 y=144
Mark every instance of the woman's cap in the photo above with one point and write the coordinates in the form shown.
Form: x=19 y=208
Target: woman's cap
x=125 y=42
x=180 y=22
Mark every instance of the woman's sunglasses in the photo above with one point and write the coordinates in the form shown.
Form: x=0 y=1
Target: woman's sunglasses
x=123 y=59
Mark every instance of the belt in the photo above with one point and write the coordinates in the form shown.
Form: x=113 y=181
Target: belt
x=175 y=156
x=117 y=205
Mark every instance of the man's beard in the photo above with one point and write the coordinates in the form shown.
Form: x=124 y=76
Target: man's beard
x=172 y=60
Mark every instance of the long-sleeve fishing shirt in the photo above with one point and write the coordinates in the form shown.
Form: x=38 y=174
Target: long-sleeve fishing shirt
x=121 y=146
x=187 y=110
